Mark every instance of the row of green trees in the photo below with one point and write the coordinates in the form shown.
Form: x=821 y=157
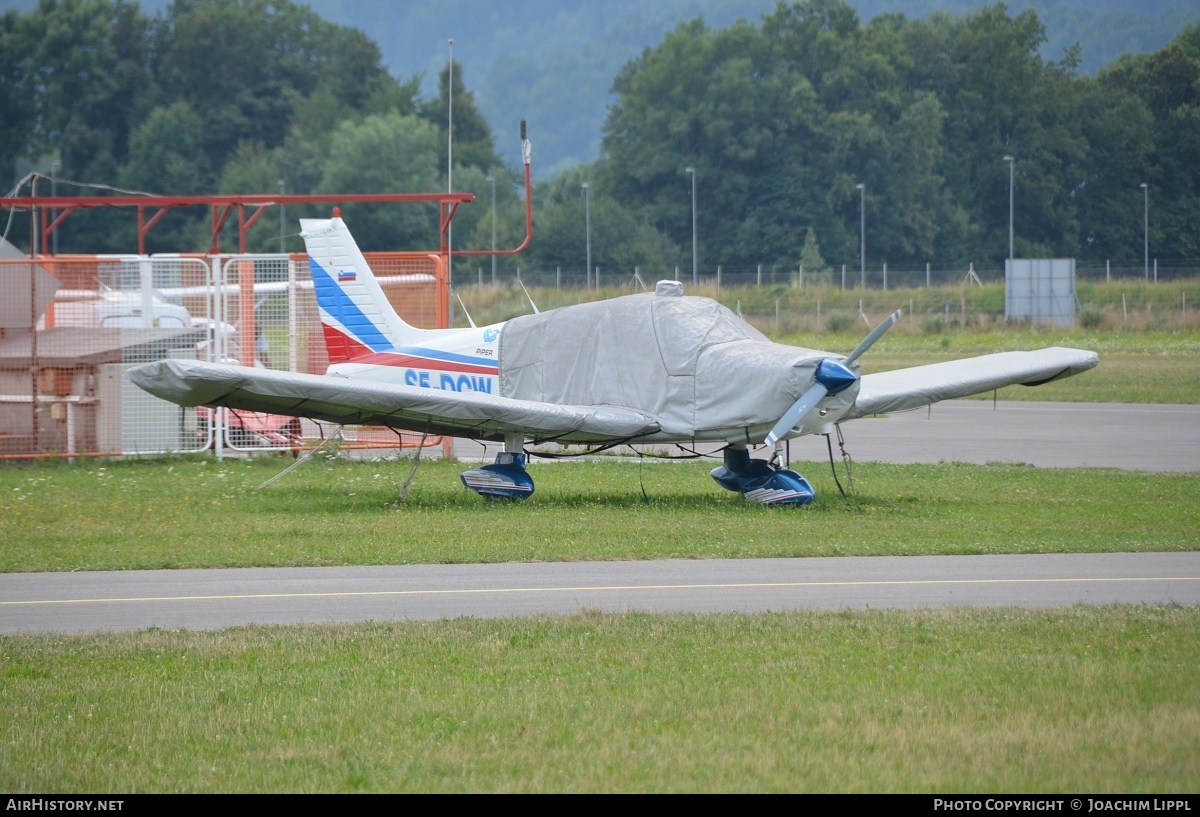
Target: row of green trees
x=781 y=121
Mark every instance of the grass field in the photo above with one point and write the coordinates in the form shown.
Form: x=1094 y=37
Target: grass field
x=209 y=513
x=1079 y=700
x=1083 y=700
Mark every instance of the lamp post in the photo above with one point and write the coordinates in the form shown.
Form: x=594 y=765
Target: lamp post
x=692 y=172
x=1146 y=229
x=1011 y=162
x=587 y=214
x=862 y=234
x=492 y=181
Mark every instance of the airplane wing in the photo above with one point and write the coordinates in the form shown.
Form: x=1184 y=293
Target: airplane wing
x=911 y=388
x=360 y=402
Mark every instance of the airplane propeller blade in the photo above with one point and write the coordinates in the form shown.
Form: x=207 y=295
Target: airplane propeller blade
x=870 y=339
x=831 y=375
x=796 y=414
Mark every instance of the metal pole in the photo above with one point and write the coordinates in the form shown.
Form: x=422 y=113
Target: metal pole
x=1146 y=229
x=692 y=172
x=54 y=168
x=492 y=181
x=450 y=162
x=33 y=318
x=281 y=217
x=862 y=232
x=587 y=215
x=33 y=247
x=1011 y=163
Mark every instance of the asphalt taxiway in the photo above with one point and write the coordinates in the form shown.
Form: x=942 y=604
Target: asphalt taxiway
x=214 y=599
x=1131 y=437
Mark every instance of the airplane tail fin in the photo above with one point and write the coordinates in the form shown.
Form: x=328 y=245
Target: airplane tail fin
x=356 y=316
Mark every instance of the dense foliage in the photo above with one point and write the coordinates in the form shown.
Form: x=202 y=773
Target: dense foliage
x=782 y=119
x=552 y=63
x=221 y=96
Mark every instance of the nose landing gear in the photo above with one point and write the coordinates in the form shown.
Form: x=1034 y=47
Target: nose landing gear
x=761 y=482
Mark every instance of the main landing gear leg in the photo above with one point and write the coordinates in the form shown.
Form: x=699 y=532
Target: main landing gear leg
x=506 y=478
x=759 y=482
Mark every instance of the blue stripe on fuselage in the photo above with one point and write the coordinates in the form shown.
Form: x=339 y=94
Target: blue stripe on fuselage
x=449 y=357
x=341 y=306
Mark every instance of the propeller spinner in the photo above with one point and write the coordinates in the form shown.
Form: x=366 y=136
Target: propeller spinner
x=832 y=377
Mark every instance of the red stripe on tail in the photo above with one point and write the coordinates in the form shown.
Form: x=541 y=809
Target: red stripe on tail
x=341 y=347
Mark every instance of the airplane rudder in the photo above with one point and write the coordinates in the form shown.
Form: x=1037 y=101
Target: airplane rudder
x=352 y=302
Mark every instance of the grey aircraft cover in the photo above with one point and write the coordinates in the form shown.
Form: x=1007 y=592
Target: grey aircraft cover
x=652 y=366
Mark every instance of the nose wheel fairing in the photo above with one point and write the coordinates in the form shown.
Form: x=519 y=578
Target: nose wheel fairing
x=759 y=482
x=506 y=478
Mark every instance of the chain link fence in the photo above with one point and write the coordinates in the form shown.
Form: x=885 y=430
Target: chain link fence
x=844 y=278
x=71 y=327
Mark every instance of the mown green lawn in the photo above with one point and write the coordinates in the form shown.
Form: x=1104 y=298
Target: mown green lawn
x=1078 y=701
x=201 y=512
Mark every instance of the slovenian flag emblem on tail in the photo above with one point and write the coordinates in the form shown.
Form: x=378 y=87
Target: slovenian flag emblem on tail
x=345 y=275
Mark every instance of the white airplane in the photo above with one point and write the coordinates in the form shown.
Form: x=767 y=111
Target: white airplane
x=656 y=367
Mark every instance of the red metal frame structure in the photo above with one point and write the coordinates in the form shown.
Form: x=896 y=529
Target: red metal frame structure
x=223 y=206
x=222 y=209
